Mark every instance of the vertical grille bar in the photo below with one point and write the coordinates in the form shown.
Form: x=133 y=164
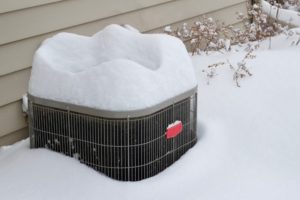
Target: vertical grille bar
x=128 y=149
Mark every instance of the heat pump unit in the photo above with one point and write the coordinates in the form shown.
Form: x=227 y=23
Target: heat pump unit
x=120 y=101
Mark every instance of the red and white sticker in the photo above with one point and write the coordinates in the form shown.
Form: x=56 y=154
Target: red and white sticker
x=174 y=129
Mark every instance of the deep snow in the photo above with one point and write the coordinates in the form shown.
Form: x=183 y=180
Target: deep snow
x=248 y=148
x=117 y=69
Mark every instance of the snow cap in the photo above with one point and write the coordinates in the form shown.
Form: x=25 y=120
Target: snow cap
x=117 y=69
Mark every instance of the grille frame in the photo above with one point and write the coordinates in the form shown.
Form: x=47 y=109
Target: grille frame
x=127 y=146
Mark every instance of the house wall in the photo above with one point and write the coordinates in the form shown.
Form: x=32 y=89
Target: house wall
x=25 y=24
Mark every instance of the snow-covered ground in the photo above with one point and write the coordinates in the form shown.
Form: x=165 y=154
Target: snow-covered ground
x=248 y=148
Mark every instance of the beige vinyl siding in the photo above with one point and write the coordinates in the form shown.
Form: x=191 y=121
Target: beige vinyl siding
x=23 y=28
x=11 y=118
x=14 y=136
x=13 y=86
x=225 y=14
x=44 y=19
x=13 y=5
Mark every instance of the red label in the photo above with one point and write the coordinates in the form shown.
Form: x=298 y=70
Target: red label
x=174 y=129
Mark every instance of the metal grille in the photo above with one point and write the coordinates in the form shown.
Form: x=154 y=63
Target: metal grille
x=128 y=149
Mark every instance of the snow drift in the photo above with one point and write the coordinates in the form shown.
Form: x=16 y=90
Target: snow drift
x=117 y=69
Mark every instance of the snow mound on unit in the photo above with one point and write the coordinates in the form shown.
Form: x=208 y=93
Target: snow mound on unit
x=286 y=16
x=117 y=69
